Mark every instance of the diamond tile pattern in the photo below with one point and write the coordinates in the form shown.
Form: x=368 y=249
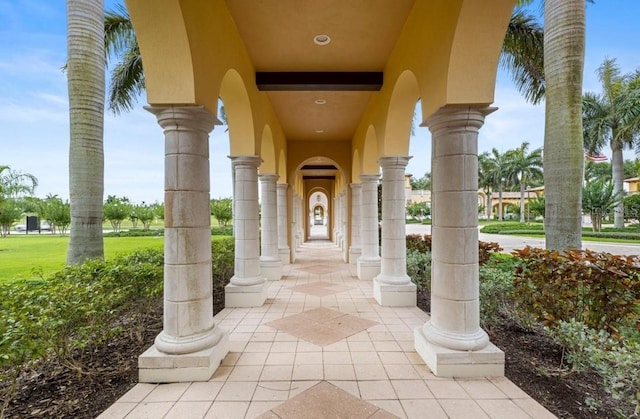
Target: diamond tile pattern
x=319 y=269
x=321 y=326
x=320 y=288
x=325 y=400
x=376 y=365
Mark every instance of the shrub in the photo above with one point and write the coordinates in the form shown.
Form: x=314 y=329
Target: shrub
x=416 y=242
x=503 y=228
x=485 y=250
x=222 y=269
x=615 y=361
x=419 y=268
x=226 y=230
x=78 y=306
x=135 y=233
x=496 y=295
x=599 y=289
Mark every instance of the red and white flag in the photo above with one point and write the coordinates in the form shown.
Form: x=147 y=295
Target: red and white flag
x=596 y=157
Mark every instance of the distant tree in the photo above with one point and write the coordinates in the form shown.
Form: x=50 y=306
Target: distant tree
x=493 y=169
x=58 y=213
x=158 y=210
x=10 y=212
x=421 y=184
x=145 y=214
x=522 y=167
x=16 y=184
x=222 y=210
x=536 y=206
x=598 y=199
x=632 y=207
x=116 y=210
x=418 y=210
x=612 y=118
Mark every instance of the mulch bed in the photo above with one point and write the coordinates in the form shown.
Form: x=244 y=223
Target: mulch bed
x=532 y=362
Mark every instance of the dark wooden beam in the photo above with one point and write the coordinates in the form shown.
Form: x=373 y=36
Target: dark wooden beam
x=369 y=81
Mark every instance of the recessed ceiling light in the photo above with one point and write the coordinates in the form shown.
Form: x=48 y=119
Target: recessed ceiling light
x=320 y=101
x=319 y=131
x=321 y=39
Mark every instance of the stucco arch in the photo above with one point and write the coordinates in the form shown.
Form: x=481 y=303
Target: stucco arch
x=237 y=106
x=267 y=152
x=370 y=152
x=405 y=94
x=356 y=167
x=282 y=167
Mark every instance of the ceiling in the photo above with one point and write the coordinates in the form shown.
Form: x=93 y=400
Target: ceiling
x=279 y=37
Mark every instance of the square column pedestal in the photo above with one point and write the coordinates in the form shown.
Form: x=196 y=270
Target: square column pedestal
x=245 y=295
x=388 y=295
x=444 y=362
x=157 y=367
x=368 y=268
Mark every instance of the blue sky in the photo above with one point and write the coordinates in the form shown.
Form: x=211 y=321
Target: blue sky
x=34 y=105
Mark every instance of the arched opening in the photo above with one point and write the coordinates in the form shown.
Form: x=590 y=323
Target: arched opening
x=318 y=214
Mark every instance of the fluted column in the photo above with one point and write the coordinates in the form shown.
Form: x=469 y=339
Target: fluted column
x=455 y=308
x=270 y=264
x=247 y=286
x=188 y=326
x=369 y=260
x=356 y=202
x=393 y=287
x=283 y=244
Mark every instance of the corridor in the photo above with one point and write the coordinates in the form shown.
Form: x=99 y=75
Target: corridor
x=322 y=347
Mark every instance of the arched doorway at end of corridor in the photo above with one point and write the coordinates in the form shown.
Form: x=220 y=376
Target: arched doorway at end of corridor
x=318 y=216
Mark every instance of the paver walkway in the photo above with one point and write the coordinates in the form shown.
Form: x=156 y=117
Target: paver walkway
x=345 y=357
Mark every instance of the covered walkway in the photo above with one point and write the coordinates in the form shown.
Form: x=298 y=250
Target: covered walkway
x=321 y=346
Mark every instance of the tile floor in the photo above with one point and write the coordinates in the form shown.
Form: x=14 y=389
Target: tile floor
x=322 y=347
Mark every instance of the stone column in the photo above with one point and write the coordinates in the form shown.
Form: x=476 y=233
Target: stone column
x=334 y=218
x=393 y=287
x=369 y=260
x=345 y=225
x=452 y=342
x=270 y=264
x=283 y=244
x=247 y=287
x=190 y=346
x=356 y=201
x=339 y=217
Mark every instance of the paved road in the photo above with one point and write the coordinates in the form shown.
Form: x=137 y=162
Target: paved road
x=508 y=242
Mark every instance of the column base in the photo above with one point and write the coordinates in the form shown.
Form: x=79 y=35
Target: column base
x=271 y=269
x=157 y=367
x=444 y=362
x=354 y=254
x=285 y=255
x=388 y=295
x=368 y=268
x=245 y=296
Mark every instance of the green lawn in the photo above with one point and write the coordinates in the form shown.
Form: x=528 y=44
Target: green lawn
x=22 y=256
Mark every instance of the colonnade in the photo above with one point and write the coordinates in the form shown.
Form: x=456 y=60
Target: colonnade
x=191 y=345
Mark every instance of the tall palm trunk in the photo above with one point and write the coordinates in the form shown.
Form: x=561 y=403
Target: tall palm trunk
x=500 y=209
x=86 y=84
x=563 y=144
x=617 y=173
x=489 y=209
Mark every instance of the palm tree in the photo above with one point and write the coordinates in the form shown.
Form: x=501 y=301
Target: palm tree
x=564 y=39
x=127 y=77
x=493 y=170
x=521 y=167
x=598 y=198
x=85 y=72
x=613 y=118
x=522 y=55
x=14 y=183
x=485 y=181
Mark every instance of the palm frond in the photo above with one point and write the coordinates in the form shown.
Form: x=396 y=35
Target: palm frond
x=523 y=55
x=126 y=83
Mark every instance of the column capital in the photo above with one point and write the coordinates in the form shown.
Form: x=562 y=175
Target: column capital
x=369 y=178
x=176 y=117
x=282 y=186
x=254 y=161
x=455 y=118
x=394 y=162
x=355 y=186
x=268 y=177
